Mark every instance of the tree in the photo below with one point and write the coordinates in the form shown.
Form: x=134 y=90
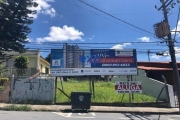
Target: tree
x=48 y=58
x=21 y=62
x=14 y=30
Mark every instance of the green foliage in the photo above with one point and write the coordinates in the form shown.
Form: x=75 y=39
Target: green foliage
x=4 y=79
x=1 y=70
x=17 y=108
x=21 y=62
x=48 y=58
x=104 y=92
x=15 y=19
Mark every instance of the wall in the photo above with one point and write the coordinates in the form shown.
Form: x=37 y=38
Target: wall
x=149 y=86
x=33 y=56
x=34 y=90
x=44 y=64
x=4 y=94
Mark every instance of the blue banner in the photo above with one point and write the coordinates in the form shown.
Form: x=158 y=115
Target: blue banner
x=57 y=60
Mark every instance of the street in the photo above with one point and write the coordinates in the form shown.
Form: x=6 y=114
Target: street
x=15 y=115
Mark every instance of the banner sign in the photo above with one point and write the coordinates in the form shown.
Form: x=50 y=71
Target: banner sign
x=75 y=62
x=128 y=87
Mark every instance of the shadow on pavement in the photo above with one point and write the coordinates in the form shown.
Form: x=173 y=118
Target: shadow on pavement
x=75 y=111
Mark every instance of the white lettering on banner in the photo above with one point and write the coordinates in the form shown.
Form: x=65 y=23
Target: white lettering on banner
x=128 y=87
x=123 y=53
x=91 y=71
x=115 y=65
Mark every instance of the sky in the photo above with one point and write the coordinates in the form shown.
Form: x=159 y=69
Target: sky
x=103 y=24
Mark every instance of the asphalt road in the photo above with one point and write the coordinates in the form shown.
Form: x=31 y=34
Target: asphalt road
x=13 y=115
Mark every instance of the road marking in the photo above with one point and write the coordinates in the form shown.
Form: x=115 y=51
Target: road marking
x=82 y=113
x=63 y=114
x=132 y=119
x=70 y=115
x=93 y=114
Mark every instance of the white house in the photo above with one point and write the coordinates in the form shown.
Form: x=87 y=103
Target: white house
x=36 y=62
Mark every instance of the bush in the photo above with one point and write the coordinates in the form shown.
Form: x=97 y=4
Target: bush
x=21 y=62
x=2 y=80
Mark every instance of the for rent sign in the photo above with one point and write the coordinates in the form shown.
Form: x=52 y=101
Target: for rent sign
x=128 y=87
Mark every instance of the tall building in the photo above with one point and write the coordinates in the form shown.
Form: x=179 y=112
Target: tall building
x=71 y=55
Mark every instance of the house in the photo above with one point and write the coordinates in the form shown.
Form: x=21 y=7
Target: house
x=36 y=62
x=44 y=66
x=155 y=70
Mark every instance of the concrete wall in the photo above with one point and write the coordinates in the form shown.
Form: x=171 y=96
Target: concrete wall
x=149 y=86
x=34 y=90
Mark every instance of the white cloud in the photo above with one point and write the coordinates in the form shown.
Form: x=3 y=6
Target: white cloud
x=29 y=39
x=144 y=39
x=43 y=8
x=62 y=34
x=119 y=46
x=154 y=56
x=178 y=29
x=91 y=37
x=167 y=55
x=177 y=49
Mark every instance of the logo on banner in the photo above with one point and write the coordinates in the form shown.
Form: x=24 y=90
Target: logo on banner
x=90 y=59
x=123 y=52
x=56 y=63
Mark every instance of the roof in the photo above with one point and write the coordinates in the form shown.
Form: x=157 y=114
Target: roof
x=155 y=68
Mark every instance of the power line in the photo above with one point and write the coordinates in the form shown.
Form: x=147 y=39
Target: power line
x=117 y=18
x=103 y=16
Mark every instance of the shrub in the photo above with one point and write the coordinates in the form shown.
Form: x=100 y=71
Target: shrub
x=21 y=62
x=2 y=80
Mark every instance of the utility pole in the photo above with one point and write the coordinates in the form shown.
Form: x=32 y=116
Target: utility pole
x=148 y=52
x=171 y=50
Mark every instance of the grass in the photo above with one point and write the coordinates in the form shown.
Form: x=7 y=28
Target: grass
x=1 y=87
x=104 y=92
x=17 y=108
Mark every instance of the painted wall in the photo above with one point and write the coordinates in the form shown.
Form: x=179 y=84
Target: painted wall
x=34 y=90
x=43 y=65
x=33 y=56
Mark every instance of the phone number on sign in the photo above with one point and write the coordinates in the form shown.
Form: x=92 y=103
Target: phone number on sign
x=115 y=64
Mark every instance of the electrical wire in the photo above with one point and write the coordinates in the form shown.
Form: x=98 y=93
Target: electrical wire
x=116 y=18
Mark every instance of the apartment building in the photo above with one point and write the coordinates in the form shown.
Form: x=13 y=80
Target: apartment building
x=71 y=55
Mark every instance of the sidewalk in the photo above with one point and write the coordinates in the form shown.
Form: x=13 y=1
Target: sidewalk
x=55 y=108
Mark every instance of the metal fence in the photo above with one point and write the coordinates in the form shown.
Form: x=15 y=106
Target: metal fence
x=20 y=72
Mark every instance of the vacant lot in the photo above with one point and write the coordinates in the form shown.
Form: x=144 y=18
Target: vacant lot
x=104 y=92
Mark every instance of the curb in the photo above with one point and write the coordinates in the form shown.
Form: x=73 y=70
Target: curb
x=100 y=109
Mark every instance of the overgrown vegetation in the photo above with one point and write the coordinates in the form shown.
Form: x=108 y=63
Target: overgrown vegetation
x=104 y=92
x=2 y=80
x=17 y=108
x=21 y=63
